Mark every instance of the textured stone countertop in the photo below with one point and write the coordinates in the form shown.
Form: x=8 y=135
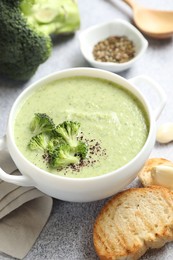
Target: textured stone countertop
x=68 y=233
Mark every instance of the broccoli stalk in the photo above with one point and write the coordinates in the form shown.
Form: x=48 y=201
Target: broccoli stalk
x=52 y=16
x=41 y=123
x=62 y=156
x=25 y=42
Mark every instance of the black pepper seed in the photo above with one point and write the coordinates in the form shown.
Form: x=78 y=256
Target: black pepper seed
x=94 y=149
x=114 y=49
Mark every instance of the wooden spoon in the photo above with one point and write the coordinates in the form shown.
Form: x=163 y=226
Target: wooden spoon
x=155 y=23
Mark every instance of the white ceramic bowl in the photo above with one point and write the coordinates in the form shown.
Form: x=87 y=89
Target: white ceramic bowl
x=118 y=27
x=83 y=189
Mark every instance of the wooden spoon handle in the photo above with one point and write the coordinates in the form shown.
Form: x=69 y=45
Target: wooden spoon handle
x=131 y=3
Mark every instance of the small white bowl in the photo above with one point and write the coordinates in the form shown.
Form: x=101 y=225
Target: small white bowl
x=118 y=27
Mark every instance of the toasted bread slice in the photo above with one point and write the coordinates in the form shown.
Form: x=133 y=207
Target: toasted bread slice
x=145 y=174
x=132 y=222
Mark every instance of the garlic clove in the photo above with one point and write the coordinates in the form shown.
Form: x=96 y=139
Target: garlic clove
x=165 y=133
x=162 y=175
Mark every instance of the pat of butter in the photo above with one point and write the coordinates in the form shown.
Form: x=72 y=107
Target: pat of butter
x=163 y=175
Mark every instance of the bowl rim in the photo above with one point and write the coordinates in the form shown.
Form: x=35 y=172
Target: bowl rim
x=125 y=23
x=53 y=76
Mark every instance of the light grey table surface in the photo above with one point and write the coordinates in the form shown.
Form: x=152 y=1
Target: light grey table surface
x=68 y=233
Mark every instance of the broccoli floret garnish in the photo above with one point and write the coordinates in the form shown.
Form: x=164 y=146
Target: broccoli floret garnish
x=60 y=144
x=65 y=149
x=41 y=123
x=38 y=142
x=62 y=156
x=69 y=131
x=81 y=149
x=54 y=143
x=25 y=29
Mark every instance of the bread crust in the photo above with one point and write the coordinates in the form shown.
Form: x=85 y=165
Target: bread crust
x=132 y=222
x=145 y=174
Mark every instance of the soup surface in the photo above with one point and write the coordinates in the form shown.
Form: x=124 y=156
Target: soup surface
x=113 y=122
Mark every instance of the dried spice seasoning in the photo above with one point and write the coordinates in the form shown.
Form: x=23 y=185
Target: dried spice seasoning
x=114 y=49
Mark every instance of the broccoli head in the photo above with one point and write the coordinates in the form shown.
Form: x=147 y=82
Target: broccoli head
x=41 y=123
x=38 y=142
x=62 y=156
x=25 y=26
x=69 y=131
x=22 y=48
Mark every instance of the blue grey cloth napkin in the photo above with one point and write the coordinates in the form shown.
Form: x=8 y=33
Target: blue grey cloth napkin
x=24 y=212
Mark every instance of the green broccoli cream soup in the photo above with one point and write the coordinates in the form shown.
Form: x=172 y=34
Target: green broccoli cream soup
x=113 y=126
